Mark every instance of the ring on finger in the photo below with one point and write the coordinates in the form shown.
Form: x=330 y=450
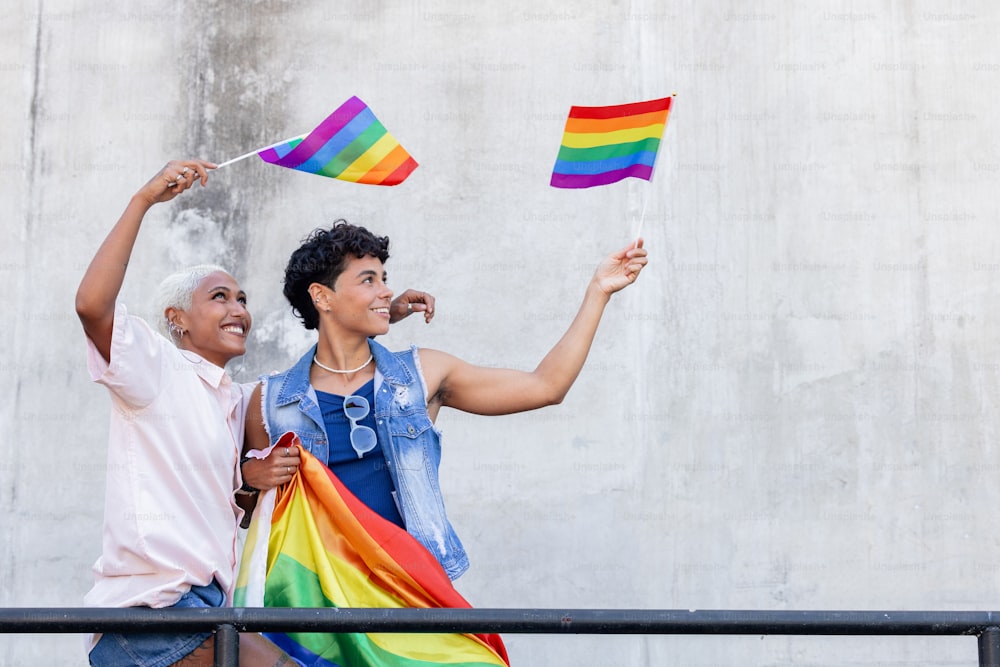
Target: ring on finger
x=409 y=308
x=288 y=469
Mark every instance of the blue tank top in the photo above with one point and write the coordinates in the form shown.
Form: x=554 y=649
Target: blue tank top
x=368 y=477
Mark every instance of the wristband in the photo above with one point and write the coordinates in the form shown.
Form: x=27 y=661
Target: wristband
x=247 y=490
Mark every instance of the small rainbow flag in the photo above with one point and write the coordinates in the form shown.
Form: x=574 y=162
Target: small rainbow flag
x=313 y=544
x=603 y=145
x=350 y=145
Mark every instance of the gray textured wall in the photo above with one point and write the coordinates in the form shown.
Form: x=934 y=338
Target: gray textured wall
x=794 y=409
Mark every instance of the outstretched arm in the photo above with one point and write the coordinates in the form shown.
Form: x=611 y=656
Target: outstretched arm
x=494 y=391
x=99 y=288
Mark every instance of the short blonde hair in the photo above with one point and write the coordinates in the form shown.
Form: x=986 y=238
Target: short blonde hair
x=176 y=291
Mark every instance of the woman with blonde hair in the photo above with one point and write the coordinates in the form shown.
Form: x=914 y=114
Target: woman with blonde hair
x=174 y=486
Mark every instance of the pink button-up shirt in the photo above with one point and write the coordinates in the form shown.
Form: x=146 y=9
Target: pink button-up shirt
x=170 y=520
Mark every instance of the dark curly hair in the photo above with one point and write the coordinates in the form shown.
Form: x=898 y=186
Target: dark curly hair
x=322 y=257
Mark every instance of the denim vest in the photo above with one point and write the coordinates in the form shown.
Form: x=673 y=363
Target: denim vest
x=409 y=441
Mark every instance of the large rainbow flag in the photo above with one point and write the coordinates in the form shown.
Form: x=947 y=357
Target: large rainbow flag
x=316 y=545
x=350 y=145
x=603 y=145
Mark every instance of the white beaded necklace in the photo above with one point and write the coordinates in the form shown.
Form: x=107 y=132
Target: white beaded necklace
x=334 y=370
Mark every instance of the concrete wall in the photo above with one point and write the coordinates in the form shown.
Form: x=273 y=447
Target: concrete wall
x=796 y=407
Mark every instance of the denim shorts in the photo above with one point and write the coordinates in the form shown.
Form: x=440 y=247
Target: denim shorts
x=146 y=649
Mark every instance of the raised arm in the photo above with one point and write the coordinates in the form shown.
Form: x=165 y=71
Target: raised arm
x=409 y=302
x=496 y=391
x=99 y=288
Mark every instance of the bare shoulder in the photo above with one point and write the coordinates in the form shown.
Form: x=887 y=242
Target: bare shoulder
x=435 y=366
x=430 y=357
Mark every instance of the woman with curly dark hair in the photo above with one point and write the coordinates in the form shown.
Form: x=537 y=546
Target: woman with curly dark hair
x=368 y=413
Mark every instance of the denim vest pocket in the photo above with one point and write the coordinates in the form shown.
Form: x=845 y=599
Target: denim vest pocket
x=290 y=418
x=409 y=435
x=312 y=441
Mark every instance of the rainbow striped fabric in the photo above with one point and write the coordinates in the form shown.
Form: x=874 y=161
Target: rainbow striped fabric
x=316 y=545
x=603 y=145
x=350 y=145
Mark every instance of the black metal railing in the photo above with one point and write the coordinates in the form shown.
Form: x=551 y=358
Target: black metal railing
x=228 y=623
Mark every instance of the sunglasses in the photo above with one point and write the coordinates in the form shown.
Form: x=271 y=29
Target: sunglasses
x=363 y=438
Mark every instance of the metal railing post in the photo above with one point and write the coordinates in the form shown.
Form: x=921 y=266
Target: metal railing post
x=989 y=647
x=227 y=646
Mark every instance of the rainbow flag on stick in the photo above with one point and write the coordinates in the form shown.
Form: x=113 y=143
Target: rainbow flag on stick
x=603 y=145
x=350 y=145
x=316 y=545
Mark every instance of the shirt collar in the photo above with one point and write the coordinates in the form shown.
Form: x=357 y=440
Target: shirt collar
x=213 y=375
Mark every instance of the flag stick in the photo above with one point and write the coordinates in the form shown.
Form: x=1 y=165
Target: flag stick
x=257 y=150
x=642 y=219
x=645 y=199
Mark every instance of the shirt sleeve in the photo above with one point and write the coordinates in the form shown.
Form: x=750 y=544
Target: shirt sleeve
x=135 y=370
